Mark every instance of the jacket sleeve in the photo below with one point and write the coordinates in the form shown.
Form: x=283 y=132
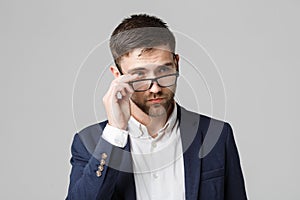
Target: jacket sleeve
x=85 y=182
x=234 y=181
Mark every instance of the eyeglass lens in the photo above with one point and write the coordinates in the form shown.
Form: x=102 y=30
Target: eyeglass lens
x=164 y=81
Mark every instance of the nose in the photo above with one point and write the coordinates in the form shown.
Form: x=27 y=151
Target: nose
x=155 y=88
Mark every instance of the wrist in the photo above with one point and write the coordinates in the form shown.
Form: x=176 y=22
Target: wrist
x=118 y=126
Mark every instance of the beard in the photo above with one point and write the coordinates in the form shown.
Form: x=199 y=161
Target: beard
x=154 y=109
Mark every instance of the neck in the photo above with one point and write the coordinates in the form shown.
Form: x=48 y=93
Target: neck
x=153 y=123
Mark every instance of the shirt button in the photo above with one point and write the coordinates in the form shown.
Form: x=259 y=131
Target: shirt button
x=154 y=145
x=155 y=176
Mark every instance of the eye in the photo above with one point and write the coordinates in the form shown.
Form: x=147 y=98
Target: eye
x=139 y=73
x=164 y=69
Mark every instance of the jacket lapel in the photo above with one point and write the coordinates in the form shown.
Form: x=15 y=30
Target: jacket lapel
x=191 y=139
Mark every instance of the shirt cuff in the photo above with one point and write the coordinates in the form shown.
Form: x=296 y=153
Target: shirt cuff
x=115 y=136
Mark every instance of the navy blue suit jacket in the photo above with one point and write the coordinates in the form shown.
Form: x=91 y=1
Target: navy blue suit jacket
x=211 y=163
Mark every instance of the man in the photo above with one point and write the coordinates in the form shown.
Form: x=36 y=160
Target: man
x=150 y=147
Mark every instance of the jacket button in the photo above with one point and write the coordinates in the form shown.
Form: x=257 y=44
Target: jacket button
x=102 y=162
x=98 y=173
x=104 y=156
x=101 y=168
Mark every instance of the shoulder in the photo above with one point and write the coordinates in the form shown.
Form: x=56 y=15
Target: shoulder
x=203 y=132
x=212 y=131
x=205 y=123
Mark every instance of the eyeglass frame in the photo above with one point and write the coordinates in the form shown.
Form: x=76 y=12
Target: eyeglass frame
x=154 y=80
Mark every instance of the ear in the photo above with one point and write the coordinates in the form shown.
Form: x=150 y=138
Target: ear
x=177 y=61
x=114 y=70
x=177 y=57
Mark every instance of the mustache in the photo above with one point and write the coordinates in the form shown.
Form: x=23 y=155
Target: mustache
x=156 y=96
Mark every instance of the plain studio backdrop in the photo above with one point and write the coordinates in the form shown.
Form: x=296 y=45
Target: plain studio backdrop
x=54 y=59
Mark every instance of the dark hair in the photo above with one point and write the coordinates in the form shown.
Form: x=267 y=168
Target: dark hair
x=139 y=31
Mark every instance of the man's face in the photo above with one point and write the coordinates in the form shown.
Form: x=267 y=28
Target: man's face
x=156 y=101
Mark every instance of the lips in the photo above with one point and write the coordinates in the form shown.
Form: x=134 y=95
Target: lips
x=156 y=100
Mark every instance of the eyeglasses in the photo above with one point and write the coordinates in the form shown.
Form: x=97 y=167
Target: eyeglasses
x=143 y=85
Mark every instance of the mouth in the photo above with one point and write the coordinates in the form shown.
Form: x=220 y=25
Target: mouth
x=156 y=100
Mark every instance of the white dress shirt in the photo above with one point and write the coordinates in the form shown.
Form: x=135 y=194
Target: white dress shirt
x=157 y=162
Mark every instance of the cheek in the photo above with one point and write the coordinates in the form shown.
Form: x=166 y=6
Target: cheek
x=138 y=96
x=170 y=91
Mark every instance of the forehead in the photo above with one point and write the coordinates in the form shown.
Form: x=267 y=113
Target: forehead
x=147 y=58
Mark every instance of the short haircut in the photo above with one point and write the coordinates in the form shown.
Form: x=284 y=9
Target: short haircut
x=139 y=31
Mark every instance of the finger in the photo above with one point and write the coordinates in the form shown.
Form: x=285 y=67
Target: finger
x=116 y=85
x=119 y=95
x=128 y=87
x=127 y=77
x=123 y=90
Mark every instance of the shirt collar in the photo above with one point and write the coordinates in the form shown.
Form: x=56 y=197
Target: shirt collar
x=138 y=130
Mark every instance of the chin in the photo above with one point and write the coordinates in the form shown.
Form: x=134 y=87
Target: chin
x=157 y=110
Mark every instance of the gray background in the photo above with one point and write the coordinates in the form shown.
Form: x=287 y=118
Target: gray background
x=255 y=45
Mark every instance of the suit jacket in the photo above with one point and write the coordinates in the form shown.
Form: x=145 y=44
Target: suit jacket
x=211 y=163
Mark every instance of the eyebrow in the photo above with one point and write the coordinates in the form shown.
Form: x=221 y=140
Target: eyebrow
x=137 y=69
x=144 y=69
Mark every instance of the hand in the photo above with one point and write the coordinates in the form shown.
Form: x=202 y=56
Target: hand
x=117 y=101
